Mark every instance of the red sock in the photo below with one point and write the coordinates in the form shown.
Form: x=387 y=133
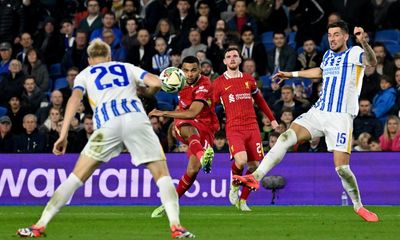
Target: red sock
x=245 y=190
x=236 y=170
x=184 y=184
x=195 y=146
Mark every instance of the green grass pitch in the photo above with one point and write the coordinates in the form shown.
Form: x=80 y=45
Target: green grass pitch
x=207 y=222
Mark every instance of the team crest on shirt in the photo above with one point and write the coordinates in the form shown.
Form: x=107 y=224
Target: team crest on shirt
x=247 y=84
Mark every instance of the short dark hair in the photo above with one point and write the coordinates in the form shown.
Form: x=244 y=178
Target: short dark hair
x=340 y=24
x=278 y=32
x=231 y=49
x=191 y=59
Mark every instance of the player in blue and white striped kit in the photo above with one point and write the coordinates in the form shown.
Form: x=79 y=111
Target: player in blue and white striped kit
x=342 y=70
x=119 y=120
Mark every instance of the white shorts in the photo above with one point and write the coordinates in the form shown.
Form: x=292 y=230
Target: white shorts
x=336 y=127
x=132 y=130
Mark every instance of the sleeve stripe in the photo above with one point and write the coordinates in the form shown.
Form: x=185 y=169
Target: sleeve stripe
x=80 y=88
x=143 y=74
x=255 y=91
x=361 y=55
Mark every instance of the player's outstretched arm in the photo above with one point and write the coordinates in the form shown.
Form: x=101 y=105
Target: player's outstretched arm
x=153 y=83
x=191 y=113
x=72 y=106
x=369 y=57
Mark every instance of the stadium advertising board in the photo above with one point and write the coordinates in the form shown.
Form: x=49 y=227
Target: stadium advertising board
x=310 y=180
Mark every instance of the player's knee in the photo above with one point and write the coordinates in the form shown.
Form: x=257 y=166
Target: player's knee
x=192 y=171
x=343 y=171
x=288 y=138
x=251 y=169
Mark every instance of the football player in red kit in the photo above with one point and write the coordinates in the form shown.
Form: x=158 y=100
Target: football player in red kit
x=195 y=124
x=236 y=90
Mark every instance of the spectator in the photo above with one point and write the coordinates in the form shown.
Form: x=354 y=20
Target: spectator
x=366 y=121
x=242 y=19
x=385 y=100
x=16 y=114
x=253 y=50
x=316 y=144
x=161 y=60
x=396 y=60
x=129 y=12
x=356 y=13
x=183 y=20
x=201 y=55
x=118 y=53
x=287 y=117
x=176 y=59
x=220 y=142
x=11 y=83
x=393 y=16
x=108 y=24
x=272 y=93
x=385 y=66
x=390 y=139
x=272 y=138
x=332 y=18
x=204 y=28
x=155 y=123
x=56 y=101
x=306 y=19
x=82 y=136
x=12 y=21
x=93 y=20
x=129 y=40
x=227 y=10
x=216 y=47
x=77 y=55
x=374 y=145
x=31 y=141
x=282 y=56
x=67 y=91
x=165 y=30
x=249 y=66
x=287 y=101
x=370 y=86
x=68 y=30
x=362 y=142
x=26 y=43
x=195 y=44
x=32 y=97
x=266 y=129
x=5 y=54
x=203 y=9
x=6 y=136
x=261 y=10
x=158 y=9
x=51 y=123
x=142 y=54
x=50 y=43
x=34 y=67
x=310 y=57
x=207 y=70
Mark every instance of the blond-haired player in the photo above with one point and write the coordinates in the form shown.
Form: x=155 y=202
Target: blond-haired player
x=119 y=119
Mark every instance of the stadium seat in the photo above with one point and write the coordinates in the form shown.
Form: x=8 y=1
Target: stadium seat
x=292 y=40
x=266 y=39
x=388 y=36
x=393 y=48
x=55 y=71
x=60 y=83
x=3 y=111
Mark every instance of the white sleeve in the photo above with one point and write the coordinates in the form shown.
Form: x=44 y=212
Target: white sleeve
x=79 y=82
x=326 y=54
x=356 y=54
x=137 y=73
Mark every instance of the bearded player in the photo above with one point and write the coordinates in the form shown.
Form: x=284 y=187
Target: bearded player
x=236 y=91
x=195 y=124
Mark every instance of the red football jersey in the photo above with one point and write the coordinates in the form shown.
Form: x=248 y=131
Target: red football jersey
x=236 y=95
x=200 y=91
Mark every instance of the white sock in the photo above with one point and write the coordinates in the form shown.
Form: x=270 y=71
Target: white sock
x=169 y=199
x=60 y=197
x=349 y=183
x=276 y=154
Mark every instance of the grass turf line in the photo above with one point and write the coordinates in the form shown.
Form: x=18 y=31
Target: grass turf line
x=207 y=222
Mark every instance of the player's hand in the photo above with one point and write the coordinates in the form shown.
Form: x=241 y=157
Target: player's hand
x=359 y=33
x=60 y=146
x=274 y=124
x=281 y=76
x=156 y=112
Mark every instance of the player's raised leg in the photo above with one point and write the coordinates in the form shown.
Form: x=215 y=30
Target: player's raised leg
x=286 y=140
x=82 y=171
x=349 y=183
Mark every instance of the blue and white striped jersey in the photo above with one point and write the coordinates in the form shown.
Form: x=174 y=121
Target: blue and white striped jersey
x=112 y=89
x=342 y=75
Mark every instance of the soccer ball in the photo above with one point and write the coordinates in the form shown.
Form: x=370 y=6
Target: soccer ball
x=173 y=79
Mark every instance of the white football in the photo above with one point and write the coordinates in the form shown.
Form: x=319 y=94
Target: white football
x=173 y=79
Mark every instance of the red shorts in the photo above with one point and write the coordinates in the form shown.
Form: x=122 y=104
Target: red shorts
x=206 y=133
x=248 y=141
